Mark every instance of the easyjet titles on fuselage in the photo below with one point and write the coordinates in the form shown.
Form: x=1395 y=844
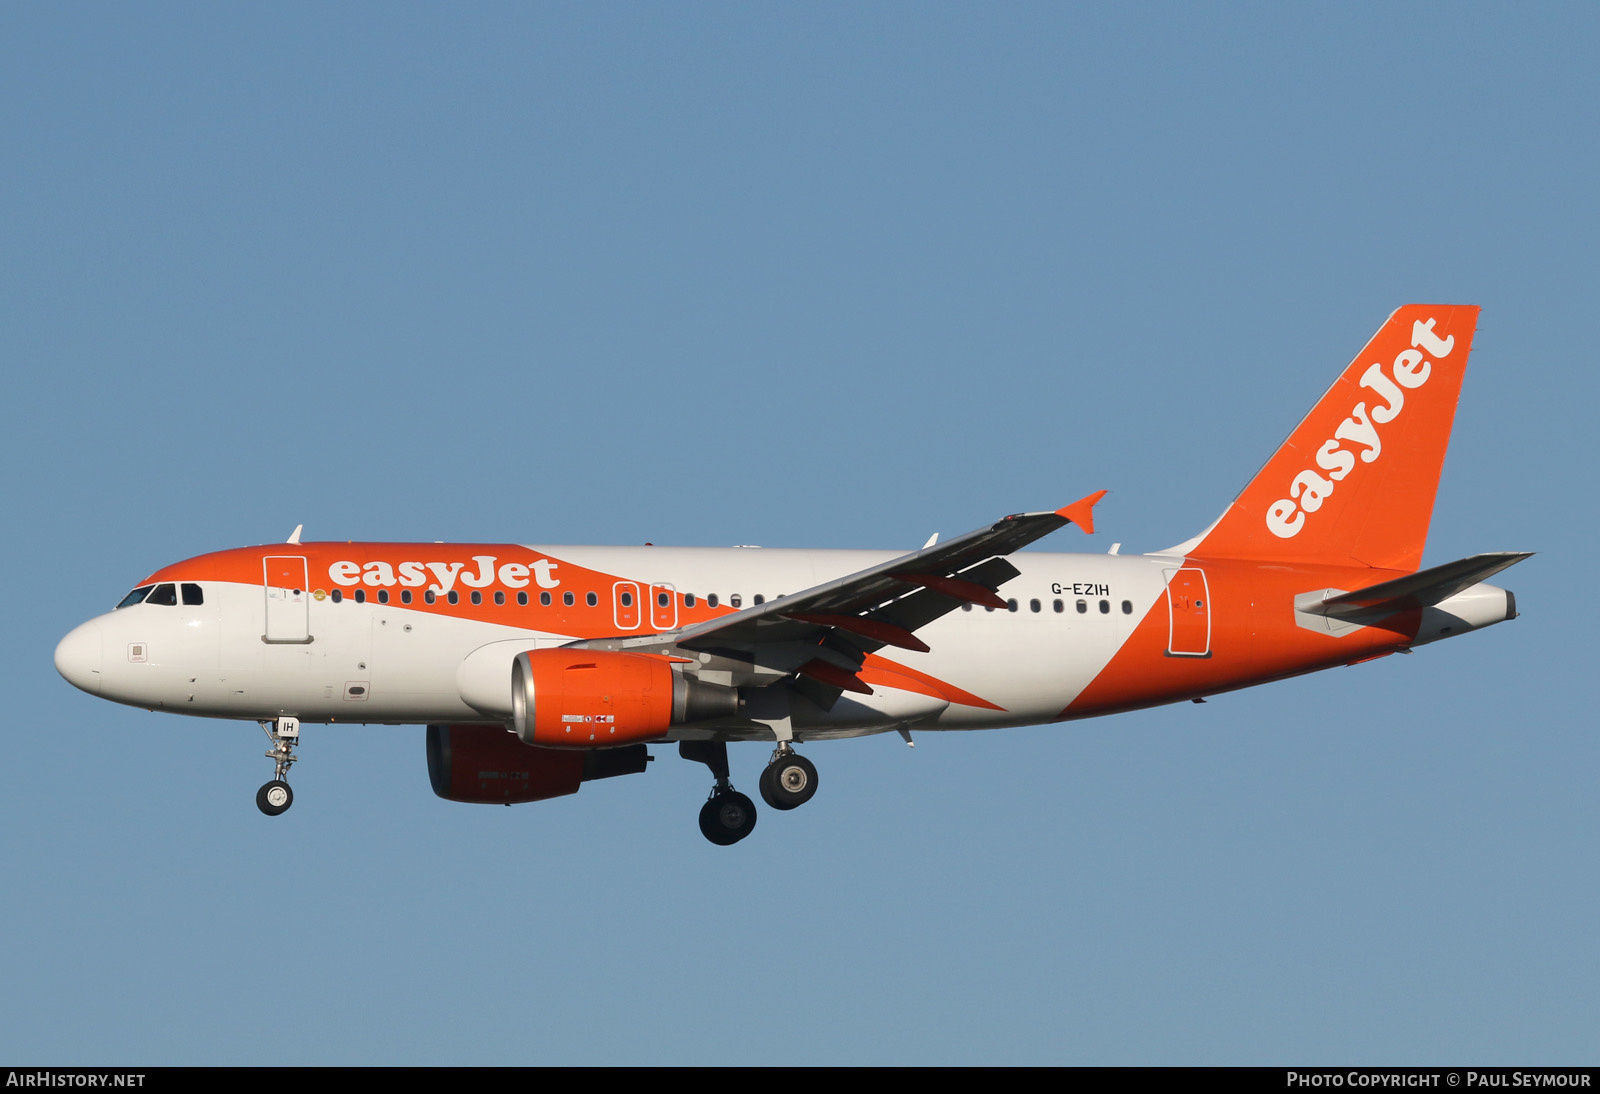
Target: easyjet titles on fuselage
x=479 y=574
x=1308 y=490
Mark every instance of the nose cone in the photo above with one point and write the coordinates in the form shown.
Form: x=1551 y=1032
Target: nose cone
x=78 y=658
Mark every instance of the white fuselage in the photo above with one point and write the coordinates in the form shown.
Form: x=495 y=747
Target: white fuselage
x=391 y=663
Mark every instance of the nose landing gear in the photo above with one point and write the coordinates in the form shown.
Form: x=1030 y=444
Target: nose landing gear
x=275 y=797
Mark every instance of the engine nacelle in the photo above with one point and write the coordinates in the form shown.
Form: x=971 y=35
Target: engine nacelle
x=573 y=698
x=487 y=765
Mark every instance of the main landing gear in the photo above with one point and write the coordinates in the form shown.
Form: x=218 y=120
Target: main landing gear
x=728 y=816
x=789 y=780
x=275 y=797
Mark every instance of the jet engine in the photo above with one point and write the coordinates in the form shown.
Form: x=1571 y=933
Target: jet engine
x=576 y=698
x=486 y=764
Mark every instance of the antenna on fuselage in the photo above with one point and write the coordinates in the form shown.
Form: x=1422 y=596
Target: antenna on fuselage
x=294 y=536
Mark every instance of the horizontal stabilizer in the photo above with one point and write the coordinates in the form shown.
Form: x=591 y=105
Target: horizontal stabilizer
x=1418 y=590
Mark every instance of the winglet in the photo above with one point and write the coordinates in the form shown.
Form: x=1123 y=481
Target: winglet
x=294 y=536
x=1081 y=512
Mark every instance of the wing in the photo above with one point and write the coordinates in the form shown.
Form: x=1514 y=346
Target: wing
x=821 y=636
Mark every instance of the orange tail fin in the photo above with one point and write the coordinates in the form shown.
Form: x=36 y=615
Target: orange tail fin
x=1355 y=481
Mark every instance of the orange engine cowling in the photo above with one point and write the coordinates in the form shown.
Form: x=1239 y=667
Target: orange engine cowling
x=572 y=698
x=485 y=764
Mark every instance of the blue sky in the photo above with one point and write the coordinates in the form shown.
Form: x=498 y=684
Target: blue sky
x=797 y=275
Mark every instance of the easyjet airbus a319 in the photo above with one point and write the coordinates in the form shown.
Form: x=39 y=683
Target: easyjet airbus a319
x=538 y=668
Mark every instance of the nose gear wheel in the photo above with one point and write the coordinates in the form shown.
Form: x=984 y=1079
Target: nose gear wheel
x=275 y=797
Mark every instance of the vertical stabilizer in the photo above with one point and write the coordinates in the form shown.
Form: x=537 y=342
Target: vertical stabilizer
x=1355 y=481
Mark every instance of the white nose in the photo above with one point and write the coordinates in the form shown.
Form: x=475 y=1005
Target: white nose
x=78 y=658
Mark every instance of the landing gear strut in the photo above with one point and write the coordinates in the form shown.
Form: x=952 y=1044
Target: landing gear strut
x=275 y=797
x=789 y=780
x=727 y=816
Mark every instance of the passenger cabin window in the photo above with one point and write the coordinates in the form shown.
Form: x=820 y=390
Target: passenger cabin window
x=1034 y=605
x=1127 y=607
x=337 y=595
x=1083 y=606
x=499 y=598
x=1105 y=607
x=1060 y=606
x=135 y=597
x=627 y=600
x=477 y=597
x=383 y=596
x=165 y=594
x=192 y=595
x=544 y=600
x=361 y=596
x=453 y=596
x=522 y=599
x=664 y=600
x=1011 y=604
x=567 y=599
x=591 y=599
x=760 y=599
x=428 y=596
x=966 y=605
x=405 y=596
x=688 y=600
x=735 y=600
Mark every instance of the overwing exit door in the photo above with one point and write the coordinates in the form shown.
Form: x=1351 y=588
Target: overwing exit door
x=663 y=608
x=625 y=605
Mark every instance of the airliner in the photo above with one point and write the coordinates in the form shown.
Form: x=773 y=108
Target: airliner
x=538 y=668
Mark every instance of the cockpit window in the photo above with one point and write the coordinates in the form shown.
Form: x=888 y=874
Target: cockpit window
x=192 y=594
x=166 y=593
x=135 y=597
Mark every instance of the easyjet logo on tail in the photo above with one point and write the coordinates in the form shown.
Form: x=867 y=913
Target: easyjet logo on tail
x=1309 y=489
